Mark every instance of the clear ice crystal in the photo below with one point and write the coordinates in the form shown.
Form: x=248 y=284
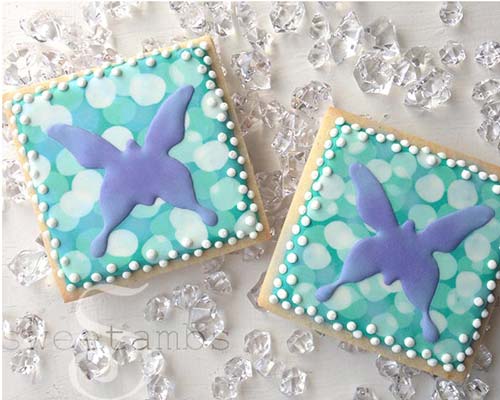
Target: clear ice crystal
x=485 y=89
x=160 y=388
x=212 y=265
x=25 y=362
x=42 y=26
x=431 y=91
x=381 y=35
x=319 y=54
x=293 y=133
x=387 y=368
x=221 y=18
x=184 y=297
x=153 y=363
x=452 y=53
x=253 y=253
x=218 y=282
x=121 y=9
x=192 y=18
x=266 y=365
x=206 y=322
x=253 y=293
x=415 y=63
x=320 y=27
x=158 y=308
x=224 y=389
x=249 y=108
x=449 y=390
x=238 y=369
x=271 y=189
x=476 y=389
x=272 y=113
x=29 y=266
x=350 y=34
x=31 y=328
x=287 y=16
x=245 y=15
x=402 y=388
x=364 y=393
x=350 y=348
x=300 y=342
x=484 y=357
x=91 y=356
x=259 y=39
x=309 y=98
x=373 y=73
x=488 y=54
x=489 y=130
x=124 y=351
x=451 y=12
x=491 y=109
x=293 y=382
x=253 y=68
x=292 y=165
x=257 y=343
x=15 y=189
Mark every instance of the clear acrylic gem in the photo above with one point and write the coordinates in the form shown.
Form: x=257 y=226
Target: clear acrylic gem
x=238 y=369
x=476 y=389
x=218 y=282
x=350 y=32
x=245 y=15
x=150 y=44
x=319 y=54
x=491 y=109
x=14 y=185
x=484 y=357
x=489 y=130
x=42 y=26
x=271 y=189
x=206 y=322
x=31 y=328
x=259 y=39
x=488 y=54
x=287 y=16
x=320 y=27
x=485 y=89
x=300 y=342
x=293 y=382
x=221 y=18
x=124 y=352
x=402 y=388
x=253 y=293
x=224 y=389
x=431 y=91
x=184 y=297
x=153 y=363
x=415 y=63
x=449 y=390
x=120 y=9
x=249 y=109
x=193 y=18
x=29 y=266
x=266 y=365
x=25 y=362
x=373 y=74
x=257 y=343
x=310 y=97
x=272 y=113
x=364 y=393
x=292 y=165
x=212 y=265
x=253 y=253
x=160 y=388
x=387 y=368
x=451 y=12
x=91 y=356
x=381 y=35
x=253 y=68
x=350 y=348
x=158 y=308
x=452 y=53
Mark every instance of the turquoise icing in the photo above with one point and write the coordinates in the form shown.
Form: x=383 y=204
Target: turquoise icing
x=120 y=108
x=418 y=192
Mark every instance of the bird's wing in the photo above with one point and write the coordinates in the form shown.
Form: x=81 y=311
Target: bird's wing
x=446 y=233
x=167 y=126
x=91 y=151
x=371 y=201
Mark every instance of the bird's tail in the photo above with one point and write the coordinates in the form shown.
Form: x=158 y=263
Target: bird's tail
x=429 y=329
x=208 y=216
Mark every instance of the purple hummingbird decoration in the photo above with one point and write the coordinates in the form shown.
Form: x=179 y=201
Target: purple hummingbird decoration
x=137 y=175
x=398 y=251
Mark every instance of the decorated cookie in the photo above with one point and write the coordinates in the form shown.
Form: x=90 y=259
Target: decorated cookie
x=137 y=167
x=391 y=244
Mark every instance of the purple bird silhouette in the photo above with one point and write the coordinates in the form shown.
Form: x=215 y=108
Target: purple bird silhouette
x=137 y=175
x=400 y=253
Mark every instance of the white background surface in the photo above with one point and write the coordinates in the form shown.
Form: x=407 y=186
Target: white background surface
x=333 y=374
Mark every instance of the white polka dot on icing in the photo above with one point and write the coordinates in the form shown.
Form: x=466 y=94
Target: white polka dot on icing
x=297 y=299
x=147 y=89
x=282 y=294
x=291 y=258
x=371 y=329
x=100 y=93
x=291 y=279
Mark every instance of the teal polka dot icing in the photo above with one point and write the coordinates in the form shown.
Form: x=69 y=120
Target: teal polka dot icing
x=120 y=107
x=416 y=191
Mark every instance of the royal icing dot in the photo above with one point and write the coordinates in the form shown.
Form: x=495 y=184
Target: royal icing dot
x=147 y=268
x=351 y=326
x=302 y=240
x=172 y=254
x=491 y=285
x=380 y=137
x=374 y=341
x=396 y=348
x=426 y=354
x=186 y=55
x=311 y=311
x=282 y=269
x=151 y=254
x=291 y=279
x=492 y=264
x=291 y=258
x=371 y=329
x=286 y=305
x=232 y=241
x=357 y=334
x=299 y=310
x=466 y=174
x=460 y=367
x=432 y=362
x=111 y=268
x=446 y=358
x=96 y=277
x=460 y=356
x=70 y=287
x=273 y=299
x=64 y=261
x=339 y=121
x=389 y=340
x=87 y=285
x=337 y=326
x=297 y=298
x=463 y=338
x=411 y=354
x=340 y=142
x=409 y=342
x=282 y=294
x=448 y=367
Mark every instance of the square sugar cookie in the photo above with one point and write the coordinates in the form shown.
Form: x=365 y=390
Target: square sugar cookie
x=136 y=168
x=392 y=244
